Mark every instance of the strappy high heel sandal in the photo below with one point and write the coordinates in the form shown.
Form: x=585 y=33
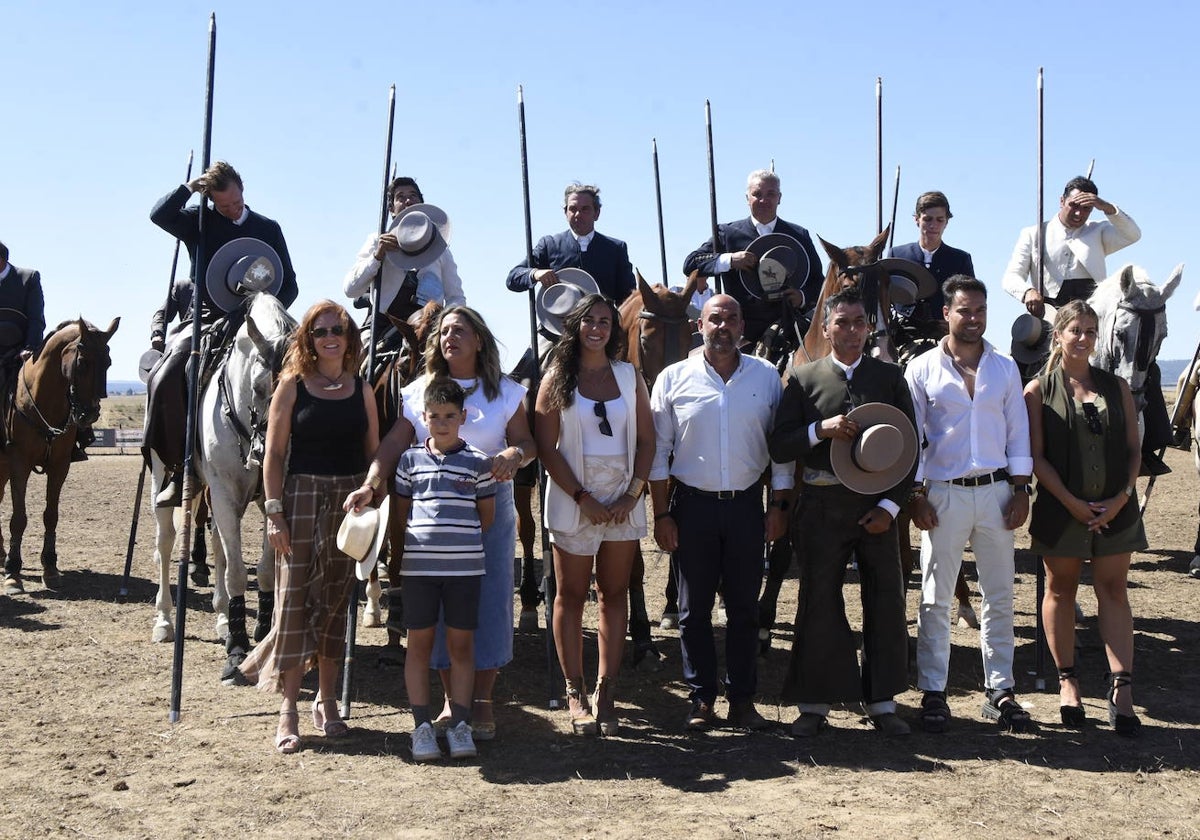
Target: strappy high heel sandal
x=582 y=722
x=1072 y=716
x=605 y=710
x=330 y=727
x=1127 y=726
x=287 y=744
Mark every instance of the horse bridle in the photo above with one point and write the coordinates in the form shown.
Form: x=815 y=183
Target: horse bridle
x=672 y=340
x=257 y=432
x=1141 y=352
x=74 y=409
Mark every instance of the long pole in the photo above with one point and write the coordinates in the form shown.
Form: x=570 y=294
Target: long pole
x=1040 y=658
x=662 y=234
x=712 y=191
x=352 y=609
x=193 y=378
x=895 y=202
x=878 y=154
x=137 y=502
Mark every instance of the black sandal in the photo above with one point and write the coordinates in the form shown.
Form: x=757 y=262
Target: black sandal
x=1001 y=706
x=1127 y=726
x=935 y=712
x=1072 y=716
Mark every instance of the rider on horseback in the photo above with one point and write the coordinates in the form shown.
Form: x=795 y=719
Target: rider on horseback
x=22 y=322
x=240 y=247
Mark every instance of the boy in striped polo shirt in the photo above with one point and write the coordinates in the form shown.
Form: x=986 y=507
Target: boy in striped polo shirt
x=445 y=496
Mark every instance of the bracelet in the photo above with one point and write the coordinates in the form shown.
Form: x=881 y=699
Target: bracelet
x=661 y=516
x=273 y=506
x=373 y=481
x=579 y=494
x=636 y=486
x=520 y=451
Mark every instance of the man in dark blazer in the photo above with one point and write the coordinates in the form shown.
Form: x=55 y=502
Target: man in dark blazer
x=729 y=257
x=581 y=246
x=932 y=215
x=835 y=522
x=22 y=323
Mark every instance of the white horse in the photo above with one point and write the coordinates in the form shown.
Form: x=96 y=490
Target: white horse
x=1187 y=431
x=230 y=442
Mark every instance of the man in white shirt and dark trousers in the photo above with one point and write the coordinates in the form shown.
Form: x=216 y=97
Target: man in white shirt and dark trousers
x=972 y=485
x=712 y=414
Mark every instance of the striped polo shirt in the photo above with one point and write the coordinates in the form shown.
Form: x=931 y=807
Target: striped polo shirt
x=443 y=536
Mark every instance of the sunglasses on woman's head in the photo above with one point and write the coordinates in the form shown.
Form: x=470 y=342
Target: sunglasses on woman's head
x=1092 y=415
x=321 y=332
x=602 y=412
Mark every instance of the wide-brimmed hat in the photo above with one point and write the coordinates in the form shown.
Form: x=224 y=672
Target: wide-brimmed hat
x=361 y=536
x=421 y=232
x=882 y=454
x=901 y=290
x=780 y=258
x=242 y=267
x=555 y=302
x=1030 y=339
x=918 y=274
x=147 y=362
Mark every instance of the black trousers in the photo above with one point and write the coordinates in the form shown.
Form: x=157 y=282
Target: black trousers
x=824 y=667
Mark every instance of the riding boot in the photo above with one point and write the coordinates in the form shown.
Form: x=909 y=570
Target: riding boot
x=84 y=437
x=531 y=583
x=266 y=610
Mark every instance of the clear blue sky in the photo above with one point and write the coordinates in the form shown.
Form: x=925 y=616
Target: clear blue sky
x=102 y=103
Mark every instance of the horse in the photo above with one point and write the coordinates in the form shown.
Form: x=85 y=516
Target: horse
x=231 y=441
x=58 y=390
x=1186 y=430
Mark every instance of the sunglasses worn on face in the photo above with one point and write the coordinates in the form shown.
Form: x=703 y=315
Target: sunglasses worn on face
x=321 y=332
x=1092 y=415
x=602 y=412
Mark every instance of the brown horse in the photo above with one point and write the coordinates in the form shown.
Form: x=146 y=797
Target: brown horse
x=57 y=391
x=847 y=267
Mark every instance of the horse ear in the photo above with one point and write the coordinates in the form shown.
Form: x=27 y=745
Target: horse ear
x=1127 y=280
x=116 y=322
x=643 y=287
x=260 y=341
x=876 y=246
x=1173 y=282
x=835 y=253
x=689 y=288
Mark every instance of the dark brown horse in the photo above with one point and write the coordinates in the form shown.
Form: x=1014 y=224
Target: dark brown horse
x=57 y=391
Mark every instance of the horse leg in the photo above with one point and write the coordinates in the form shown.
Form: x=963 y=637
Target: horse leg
x=1194 y=566
x=55 y=478
x=966 y=613
x=230 y=580
x=395 y=619
x=373 y=611
x=265 y=574
x=670 y=615
x=530 y=575
x=164 y=546
x=16 y=531
x=12 y=574
x=779 y=560
x=198 y=571
x=646 y=656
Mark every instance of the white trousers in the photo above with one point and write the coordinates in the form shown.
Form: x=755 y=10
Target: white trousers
x=974 y=515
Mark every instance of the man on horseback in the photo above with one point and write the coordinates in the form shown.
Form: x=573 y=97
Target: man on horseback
x=923 y=319
x=730 y=257
x=416 y=263
x=580 y=246
x=22 y=322
x=167 y=386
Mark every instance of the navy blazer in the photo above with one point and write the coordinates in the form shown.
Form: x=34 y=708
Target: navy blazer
x=22 y=304
x=737 y=236
x=946 y=263
x=606 y=259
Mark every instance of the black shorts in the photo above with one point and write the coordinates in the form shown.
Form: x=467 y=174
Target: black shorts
x=427 y=596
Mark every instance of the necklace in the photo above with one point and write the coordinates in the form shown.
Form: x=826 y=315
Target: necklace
x=333 y=383
x=467 y=392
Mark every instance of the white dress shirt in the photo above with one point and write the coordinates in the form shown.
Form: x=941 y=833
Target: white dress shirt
x=716 y=430
x=1070 y=253
x=969 y=436
x=584 y=241
x=438 y=281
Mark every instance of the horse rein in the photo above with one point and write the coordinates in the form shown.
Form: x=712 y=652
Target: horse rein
x=673 y=327
x=49 y=431
x=1141 y=354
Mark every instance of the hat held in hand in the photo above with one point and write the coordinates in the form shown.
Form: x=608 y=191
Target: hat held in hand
x=882 y=454
x=361 y=536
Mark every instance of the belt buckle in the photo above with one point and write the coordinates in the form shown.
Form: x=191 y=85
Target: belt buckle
x=726 y=495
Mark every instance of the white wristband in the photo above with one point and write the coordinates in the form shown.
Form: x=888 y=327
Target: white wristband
x=273 y=506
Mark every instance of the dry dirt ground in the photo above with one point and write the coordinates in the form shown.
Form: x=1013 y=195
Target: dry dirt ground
x=89 y=752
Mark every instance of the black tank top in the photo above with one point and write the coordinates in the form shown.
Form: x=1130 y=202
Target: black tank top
x=328 y=435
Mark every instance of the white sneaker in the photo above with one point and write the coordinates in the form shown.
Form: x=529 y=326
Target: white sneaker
x=424 y=744
x=460 y=742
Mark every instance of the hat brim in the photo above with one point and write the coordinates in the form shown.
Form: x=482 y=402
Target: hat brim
x=901 y=290
x=577 y=278
x=841 y=452
x=215 y=277
x=759 y=248
x=363 y=567
x=1027 y=354
x=921 y=276
x=147 y=362
x=404 y=261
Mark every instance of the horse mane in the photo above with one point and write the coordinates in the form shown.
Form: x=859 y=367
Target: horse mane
x=270 y=315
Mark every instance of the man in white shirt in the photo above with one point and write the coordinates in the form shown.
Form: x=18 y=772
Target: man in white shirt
x=712 y=414
x=972 y=485
x=1075 y=249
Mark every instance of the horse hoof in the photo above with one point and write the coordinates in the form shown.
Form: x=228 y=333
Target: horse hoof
x=966 y=617
x=670 y=621
x=528 y=621
x=13 y=586
x=1194 y=568
x=647 y=660
x=198 y=575
x=222 y=629
x=162 y=633
x=230 y=675
x=372 y=615
x=52 y=579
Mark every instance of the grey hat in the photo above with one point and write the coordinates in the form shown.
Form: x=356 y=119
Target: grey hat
x=555 y=302
x=925 y=282
x=147 y=363
x=420 y=231
x=780 y=258
x=242 y=267
x=1030 y=339
x=902 y=290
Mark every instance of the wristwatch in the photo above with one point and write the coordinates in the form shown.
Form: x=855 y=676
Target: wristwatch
x=1129 y=490
x=1027 y=489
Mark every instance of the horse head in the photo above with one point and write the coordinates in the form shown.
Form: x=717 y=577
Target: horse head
x=253 y=365
x=849 y=268
x=84 y=362
x=1133 y=324
x=656 y=325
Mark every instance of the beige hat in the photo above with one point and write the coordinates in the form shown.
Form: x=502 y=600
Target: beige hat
x=361 y=536
x=882 y=454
